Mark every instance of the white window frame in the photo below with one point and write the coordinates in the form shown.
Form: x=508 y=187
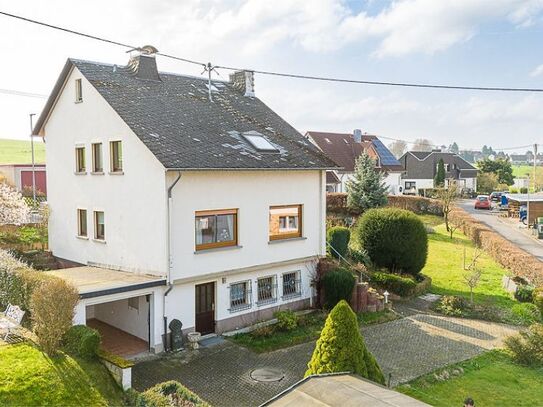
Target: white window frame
x=93 y=151
x=79 y=234
x=79 y=170
x=95 y=223
x=78 y=90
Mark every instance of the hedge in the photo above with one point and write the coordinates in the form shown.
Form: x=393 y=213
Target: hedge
x=393 y=238
x=338 y=238
x=338 y=285
x=165 y=394
x=510 y=256
x=336 y=204
x=83 y=341
x=402 y=286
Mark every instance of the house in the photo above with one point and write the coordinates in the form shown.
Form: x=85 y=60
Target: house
x=420 y=168
x=20 y=176
x=344 y=149
x=182 y=200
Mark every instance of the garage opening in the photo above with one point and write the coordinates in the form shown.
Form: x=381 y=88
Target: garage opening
x=123 y=324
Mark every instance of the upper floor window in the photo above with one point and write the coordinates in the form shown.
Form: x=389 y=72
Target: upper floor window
x=285 y=222
x=216 y=228
x=97 y=160
x=80 y=165
x=82 y=222
x=78 y=91
x=99 y=226
x=116 y=154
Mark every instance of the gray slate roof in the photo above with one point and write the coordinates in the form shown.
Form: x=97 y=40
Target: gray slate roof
x=184 y=130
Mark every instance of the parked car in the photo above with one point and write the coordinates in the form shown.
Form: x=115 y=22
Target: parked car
x=482 y=202
x=496 y=196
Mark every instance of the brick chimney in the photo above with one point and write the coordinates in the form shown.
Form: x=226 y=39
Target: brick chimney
x=142 y=63
x=244 y=81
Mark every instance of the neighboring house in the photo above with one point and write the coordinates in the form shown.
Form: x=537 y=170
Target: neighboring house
x=211 y=213
x=20 y=176
x=520 y=159
x=420 y=168
x=344 y=149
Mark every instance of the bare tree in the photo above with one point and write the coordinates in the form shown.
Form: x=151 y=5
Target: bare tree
x=447 y=197
x=423 y=144
x=398 y=148
x=472 y=280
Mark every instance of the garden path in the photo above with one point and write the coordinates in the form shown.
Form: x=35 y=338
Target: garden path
x=405 y=349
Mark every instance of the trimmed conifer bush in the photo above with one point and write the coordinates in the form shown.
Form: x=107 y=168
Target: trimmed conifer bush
x=394 y=238
x=83 y=341
x=338 y=237
x=338 y=285
x=341 y=347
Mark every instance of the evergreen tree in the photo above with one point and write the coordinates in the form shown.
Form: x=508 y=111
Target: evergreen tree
x=501 y=167
x=341 y=347
x=367 y=190
x=439 y=180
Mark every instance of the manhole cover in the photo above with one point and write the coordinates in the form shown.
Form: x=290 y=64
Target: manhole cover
x=267 y=375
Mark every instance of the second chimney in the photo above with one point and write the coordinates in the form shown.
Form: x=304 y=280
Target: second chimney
x=357 y=135
x=143 y=64
x=244 y=81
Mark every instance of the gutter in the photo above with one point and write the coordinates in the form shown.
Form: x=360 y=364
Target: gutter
x=170 y=259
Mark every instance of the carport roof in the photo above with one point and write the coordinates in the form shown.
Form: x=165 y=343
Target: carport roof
x=95 y=281
x=340 y=390
x=526 y=197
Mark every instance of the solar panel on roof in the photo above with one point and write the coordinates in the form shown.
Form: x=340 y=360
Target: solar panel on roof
x=387 y=158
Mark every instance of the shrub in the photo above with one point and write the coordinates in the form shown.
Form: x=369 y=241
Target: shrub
x=402 y=286
x=537 y=298
x=167 y=394
x=338 y=238
x=453 y=305
x=263 y=331
x=287 y=320
x=523 y=190
x=527 y=346
x=52 y=305
x=341 y=347
x=82 y=341
x=338 y=285
x=360 y=256
x=524 y=293
x=526 y=313
x=394 y=238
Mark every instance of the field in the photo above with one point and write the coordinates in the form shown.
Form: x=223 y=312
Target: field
x=491 y=379
x=30 y=378
x=520 y=171
x=19 y=151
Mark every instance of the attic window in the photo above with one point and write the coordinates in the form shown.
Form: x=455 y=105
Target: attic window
x=78 y=91
x=260 y=143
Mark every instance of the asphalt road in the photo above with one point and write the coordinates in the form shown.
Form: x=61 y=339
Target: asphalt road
x=511 y=233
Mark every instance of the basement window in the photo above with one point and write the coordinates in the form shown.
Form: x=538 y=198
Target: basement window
x=259 y=142
x=78 y=91
x=240 y=296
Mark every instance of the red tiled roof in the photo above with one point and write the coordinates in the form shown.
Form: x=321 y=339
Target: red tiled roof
x=343 y=150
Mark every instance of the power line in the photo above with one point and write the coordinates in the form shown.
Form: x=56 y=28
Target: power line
x=282 y=74
x=22 y=93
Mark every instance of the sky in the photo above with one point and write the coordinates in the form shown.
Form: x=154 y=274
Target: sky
x=453 y=42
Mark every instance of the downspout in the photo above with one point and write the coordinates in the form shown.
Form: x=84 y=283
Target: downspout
x=170 y=259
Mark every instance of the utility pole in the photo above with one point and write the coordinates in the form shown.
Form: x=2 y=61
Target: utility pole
x=33 y=162
x=535 y=165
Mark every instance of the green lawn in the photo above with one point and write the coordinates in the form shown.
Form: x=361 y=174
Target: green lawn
x=521 y=170
x=30 y=378
x=445 y=267
x=19 y=151
x=491 y=379
x=309 y=329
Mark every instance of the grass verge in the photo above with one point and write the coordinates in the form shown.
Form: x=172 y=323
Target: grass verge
x=28 y=377
x=309 y=328
x=491 y=379
x=20 y=152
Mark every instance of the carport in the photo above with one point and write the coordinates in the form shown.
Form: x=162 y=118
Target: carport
x=534 y=202
x=121 y=305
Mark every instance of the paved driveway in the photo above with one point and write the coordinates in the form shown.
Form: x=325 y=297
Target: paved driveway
x=511 y=233
x=405 y=348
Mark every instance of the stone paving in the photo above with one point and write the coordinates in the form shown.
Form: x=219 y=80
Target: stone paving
x=405 y=349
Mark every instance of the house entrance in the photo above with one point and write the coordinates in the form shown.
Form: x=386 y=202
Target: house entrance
x=205 y=308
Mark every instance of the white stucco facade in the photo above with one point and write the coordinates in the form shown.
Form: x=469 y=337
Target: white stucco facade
x=428 y=183
x=135 y=207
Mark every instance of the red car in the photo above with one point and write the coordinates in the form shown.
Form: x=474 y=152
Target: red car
x=482 y=202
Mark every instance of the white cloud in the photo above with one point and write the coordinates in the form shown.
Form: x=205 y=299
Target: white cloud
x=538 y=71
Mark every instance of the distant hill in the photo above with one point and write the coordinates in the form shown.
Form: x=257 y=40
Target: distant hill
x=19 y=152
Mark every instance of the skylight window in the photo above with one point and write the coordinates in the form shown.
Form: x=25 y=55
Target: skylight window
x=260 y=143
x=327 y=140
